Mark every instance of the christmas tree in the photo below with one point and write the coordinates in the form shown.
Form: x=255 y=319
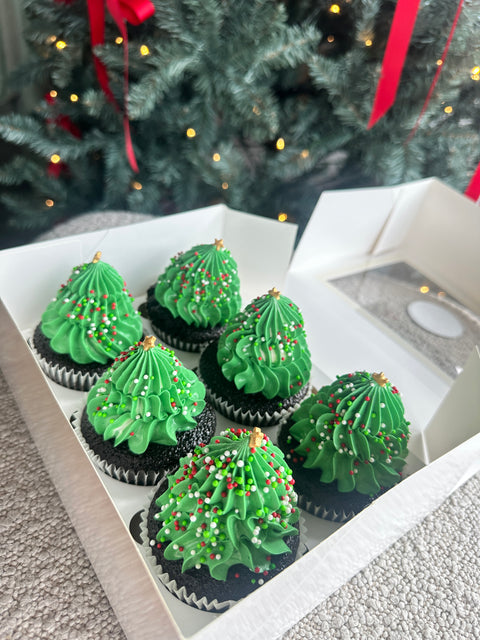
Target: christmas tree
x=257 y=104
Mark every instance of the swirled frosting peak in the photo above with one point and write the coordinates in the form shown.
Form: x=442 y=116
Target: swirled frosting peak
x=92 y=318
x=230 y=502
x=264 y=348
x=147 y=396
x=354 y=431
x=201 y=286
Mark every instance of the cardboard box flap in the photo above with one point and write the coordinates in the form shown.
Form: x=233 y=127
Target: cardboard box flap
x=458 y=416
x=423 y=227
x=343 y=224
x=413 y=222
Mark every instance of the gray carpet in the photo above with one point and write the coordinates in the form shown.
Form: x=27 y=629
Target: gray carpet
x=427 y=585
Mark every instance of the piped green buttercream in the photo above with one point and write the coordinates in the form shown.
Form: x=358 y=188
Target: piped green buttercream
x=92 y=318
x=229 y=503
x=354 y=432
x=264 y=348
x=147 y=396
x=201 y=286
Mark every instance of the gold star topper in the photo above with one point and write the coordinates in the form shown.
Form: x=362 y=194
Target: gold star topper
x=256 y=437
x=218 y=244
x=380 y=378
x=149 y=343
x=96 y=257
x=275 y=293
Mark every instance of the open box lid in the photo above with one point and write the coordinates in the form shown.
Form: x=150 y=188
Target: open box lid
x=425 y=223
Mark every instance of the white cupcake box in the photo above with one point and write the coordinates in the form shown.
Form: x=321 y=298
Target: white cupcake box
x=424 y=224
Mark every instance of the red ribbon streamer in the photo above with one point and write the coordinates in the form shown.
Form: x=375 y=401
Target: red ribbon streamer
x=394 y=58
x=473 y=189
x=437 y=73
x=135 y=12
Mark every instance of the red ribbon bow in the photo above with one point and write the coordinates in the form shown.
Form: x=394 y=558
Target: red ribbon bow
x=135 y=12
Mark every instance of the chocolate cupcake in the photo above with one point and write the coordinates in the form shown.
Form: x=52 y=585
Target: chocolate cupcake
x=198 y=292
x=144 y=415
x=259 y=369
x=89 y=323
x=225 y=523
x=346 y=444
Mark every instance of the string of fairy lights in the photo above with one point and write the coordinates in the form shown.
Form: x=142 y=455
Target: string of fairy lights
x=280 y=144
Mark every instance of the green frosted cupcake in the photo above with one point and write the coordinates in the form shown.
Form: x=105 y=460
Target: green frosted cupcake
x=195 y=296
x=145 y=414
x=86 y=326
x=347 y=444
x=225 y=523
x=259 y=369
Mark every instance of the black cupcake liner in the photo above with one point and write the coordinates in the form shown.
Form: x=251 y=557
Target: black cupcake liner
x=61 y=369
x=175 y=331
x=321 y=499
x=148 y=468
x=248 y=409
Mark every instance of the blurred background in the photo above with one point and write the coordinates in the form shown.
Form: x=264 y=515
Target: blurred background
x=261 y=105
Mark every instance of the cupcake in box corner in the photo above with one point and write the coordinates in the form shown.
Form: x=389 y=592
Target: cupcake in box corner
x=225 y=522
x=144 y=415
x=90 y=322
x=198 y=292
x=346 y=444
x=259 y=370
